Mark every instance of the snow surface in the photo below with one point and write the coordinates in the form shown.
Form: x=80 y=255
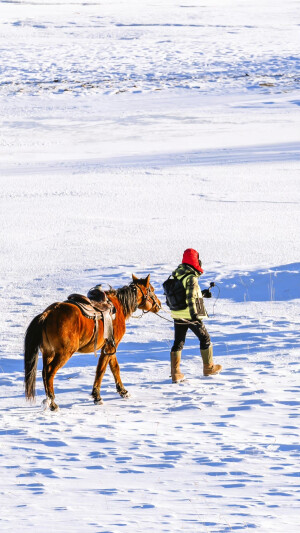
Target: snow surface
x=129 y=132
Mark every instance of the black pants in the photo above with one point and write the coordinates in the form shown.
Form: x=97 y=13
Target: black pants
x=198 y=328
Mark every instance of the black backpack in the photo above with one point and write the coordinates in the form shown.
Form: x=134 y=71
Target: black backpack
x=175 y=294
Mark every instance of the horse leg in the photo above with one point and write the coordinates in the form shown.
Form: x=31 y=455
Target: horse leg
x=50 y=367
x=114 y=366
x=45 y=382
x=100 y=371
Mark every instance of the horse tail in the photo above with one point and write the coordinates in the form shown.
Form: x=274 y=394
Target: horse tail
x=32 y=343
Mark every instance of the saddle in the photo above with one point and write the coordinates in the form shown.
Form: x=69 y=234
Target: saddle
x=97 y=306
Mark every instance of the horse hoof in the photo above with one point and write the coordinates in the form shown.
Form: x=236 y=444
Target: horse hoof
x=98 y=401
x=125 y=394
x=46 y=404
x=54 y=407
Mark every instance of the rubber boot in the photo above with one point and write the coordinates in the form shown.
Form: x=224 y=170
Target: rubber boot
x=176 y=375
x=209 y=369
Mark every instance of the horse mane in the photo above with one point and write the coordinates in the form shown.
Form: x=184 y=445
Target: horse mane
x=127 y=298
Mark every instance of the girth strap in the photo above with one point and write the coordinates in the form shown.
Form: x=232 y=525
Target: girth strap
x=108 y=331
x=96 y=330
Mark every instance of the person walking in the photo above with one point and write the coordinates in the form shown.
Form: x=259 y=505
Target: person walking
x=191 y=317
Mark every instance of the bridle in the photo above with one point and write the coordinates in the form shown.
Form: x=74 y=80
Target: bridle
x=149 y=297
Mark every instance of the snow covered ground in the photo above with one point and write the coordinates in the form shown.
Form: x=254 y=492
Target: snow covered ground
x=129 y=132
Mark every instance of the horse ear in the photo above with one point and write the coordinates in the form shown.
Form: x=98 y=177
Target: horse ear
x=148 y=280
x=134 y=278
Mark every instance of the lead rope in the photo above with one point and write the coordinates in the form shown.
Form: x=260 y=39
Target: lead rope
x=172 y=321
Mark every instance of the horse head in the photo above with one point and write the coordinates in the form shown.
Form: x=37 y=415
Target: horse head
x=146 y=297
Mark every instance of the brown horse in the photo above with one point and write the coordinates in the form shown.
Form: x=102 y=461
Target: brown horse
x=62 y=330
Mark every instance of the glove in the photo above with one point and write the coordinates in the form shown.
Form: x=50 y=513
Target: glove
x=196 y=318
x=206 y=293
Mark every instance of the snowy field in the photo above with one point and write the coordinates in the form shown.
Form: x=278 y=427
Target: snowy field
x=129 y=132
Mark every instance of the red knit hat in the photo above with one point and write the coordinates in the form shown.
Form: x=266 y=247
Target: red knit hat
x=191 y=257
